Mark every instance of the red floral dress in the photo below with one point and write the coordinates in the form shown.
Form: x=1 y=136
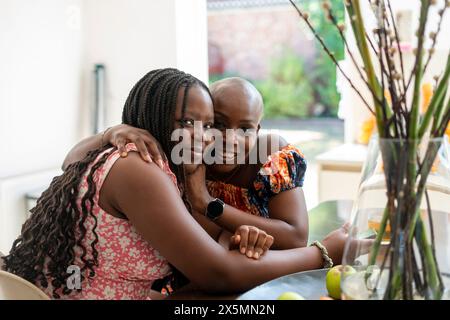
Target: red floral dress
x=127 y=264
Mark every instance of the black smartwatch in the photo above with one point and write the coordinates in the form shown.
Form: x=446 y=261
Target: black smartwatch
x=215 y=209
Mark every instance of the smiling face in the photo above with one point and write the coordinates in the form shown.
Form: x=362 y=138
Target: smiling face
x=199 y=107
x=237 y=105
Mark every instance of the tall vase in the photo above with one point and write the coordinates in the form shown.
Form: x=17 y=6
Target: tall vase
x=399 y=242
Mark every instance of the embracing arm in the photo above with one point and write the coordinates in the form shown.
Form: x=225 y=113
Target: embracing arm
x=118 y=136
x=80 y=150
x=151 y=202
x=288 y=222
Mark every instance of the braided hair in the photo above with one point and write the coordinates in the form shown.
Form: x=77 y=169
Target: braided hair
x=55 y=235
x=159 y=89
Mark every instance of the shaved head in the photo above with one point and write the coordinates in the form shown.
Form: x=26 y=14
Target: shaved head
x=238 y=105
x=236 y=88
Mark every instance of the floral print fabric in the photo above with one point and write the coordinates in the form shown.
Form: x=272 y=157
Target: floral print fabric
x=127 y=264
x=283 y=170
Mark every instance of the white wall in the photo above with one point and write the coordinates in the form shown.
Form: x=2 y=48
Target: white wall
x=129 y=38
x=192 y=37
x=40 y=69
x=132 y=37
x=13 y=207
x=39 y=84
x=48 y=49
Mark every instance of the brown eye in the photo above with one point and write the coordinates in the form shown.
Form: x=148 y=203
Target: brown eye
x=187 y=122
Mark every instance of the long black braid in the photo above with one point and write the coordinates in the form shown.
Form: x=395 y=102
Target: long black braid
x=54 y=236
x=55 y=230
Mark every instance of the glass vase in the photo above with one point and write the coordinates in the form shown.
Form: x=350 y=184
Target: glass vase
x=399 y=243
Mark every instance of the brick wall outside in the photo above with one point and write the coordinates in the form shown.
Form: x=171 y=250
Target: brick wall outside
x=243 y=41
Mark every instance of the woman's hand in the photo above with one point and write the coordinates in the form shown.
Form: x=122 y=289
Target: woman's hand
x=148 y=147
x=251 y=241
x=196 y=190
x=336 y=240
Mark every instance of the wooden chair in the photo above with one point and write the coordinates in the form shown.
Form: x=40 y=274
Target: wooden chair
x=1 y=260
x=13 y=287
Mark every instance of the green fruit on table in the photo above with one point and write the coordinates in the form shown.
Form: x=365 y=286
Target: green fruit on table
x=290 y=296
x=334 y=279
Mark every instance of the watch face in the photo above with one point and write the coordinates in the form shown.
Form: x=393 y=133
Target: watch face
x=215 y=209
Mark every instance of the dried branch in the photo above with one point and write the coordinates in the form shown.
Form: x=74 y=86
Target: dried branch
x=333 y=19
x=396 y=79
x=414 y=115
x=330 y=55
x=436 y=101
x=434 y=35
x=439 y=132
x=397 y=39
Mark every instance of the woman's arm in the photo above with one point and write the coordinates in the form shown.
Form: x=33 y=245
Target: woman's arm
x=151 y=202
x=210 y=227
x=250 y=240
x=288 y=222
x=118 y=136
x=242 y=237
x=80 y=150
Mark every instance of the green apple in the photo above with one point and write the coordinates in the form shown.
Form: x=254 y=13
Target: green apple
x=290 y=296
x=334 y=279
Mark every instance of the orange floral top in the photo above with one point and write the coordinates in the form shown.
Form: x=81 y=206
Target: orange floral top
x=283 y=170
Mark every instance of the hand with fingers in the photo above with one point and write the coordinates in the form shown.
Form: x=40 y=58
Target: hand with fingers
x=251 y=241
x=148 y=147
x=335 y=243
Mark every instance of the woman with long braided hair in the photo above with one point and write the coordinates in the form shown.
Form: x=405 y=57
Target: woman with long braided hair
x=121 y=221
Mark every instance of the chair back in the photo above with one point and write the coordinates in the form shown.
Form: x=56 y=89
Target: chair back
x=1 y=260
x=13 y=287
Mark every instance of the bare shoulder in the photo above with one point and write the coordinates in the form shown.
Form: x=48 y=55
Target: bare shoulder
x=133 y=169
x=131 y=178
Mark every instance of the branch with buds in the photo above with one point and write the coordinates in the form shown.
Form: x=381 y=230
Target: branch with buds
x=397 y=118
